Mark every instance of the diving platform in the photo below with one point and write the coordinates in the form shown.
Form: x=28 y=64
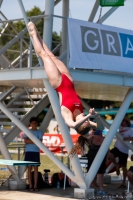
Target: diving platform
x=89 y=84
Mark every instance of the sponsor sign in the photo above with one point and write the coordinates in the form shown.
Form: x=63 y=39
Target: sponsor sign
x=96 y=46
x=55 y=142
x=112 y=2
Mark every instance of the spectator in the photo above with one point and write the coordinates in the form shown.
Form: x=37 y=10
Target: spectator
x=32 y=153
x=120 y=150
x=97 y=140
x=21 y=134
x=56 y=129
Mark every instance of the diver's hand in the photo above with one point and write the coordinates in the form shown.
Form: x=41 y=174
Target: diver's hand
x=93 y=112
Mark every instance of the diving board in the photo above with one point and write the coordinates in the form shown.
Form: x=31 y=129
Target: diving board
x=18 y=163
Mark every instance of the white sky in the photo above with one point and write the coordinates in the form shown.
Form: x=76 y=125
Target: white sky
x=79 y=9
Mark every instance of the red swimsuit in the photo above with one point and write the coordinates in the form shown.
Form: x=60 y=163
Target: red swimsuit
x=70 y=98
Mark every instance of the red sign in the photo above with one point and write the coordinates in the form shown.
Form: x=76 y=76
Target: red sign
x=55 y=142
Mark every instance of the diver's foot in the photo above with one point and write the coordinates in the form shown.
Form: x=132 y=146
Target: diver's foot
x=32 y=29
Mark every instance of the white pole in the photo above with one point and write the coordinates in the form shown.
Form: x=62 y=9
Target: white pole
x=30 y=55
x=21 y=48
x=65 y=13
x=1 y=2
x=128 y=186
x=65 y=133
x=93 y=13
x=47 y=37
x=64 y=182
x=48 y=22
x=46 y=119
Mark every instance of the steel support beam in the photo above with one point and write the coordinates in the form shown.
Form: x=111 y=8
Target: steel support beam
x=8 y=93
x=107 y=14
x=55 y=102
x=44 y=102
x=1 y=2
x=48 y=22
x=65 y=13
x=94 y=11
x=46 y=120
x=65 y=133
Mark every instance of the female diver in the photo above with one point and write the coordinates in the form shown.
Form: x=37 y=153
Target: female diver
x=61 y=80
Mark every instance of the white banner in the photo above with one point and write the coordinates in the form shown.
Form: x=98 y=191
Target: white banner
x=96 y=46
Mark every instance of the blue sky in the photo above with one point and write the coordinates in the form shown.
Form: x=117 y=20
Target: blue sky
x=79 y=9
